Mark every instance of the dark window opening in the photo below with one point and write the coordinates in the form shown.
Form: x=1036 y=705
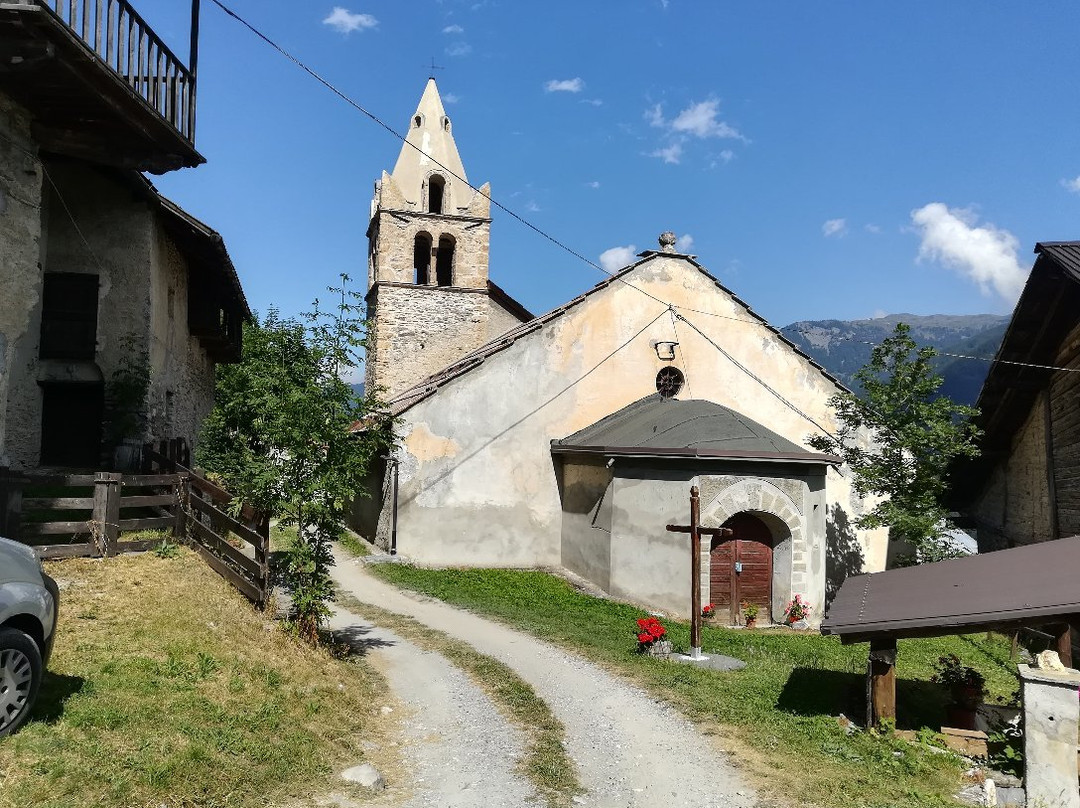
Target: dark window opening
x=444 y=262
x=71 y=424
x=446 y=124
x=669 y=381
x=417 y=121
x=69 y=316
x=422 y=258
x=436 y=186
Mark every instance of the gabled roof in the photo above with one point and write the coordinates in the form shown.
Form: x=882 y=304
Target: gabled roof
x=654 y=426
x=431 y=384
x=1048 y=309
x=1025 y=585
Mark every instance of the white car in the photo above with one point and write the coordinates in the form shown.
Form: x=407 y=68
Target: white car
x=29 y=600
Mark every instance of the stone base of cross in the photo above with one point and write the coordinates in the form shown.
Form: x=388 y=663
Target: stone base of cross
x=696 y=531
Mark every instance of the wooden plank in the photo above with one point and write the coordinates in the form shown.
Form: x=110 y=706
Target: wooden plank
x=149 y=523
x=215 y=492
x=239 y=528
x=139 y=501
x=82 y=550
x=52 y=528
x=245 y=587
x=209 y=539
x=58 y=480
x=152 y=479
x=58 y=503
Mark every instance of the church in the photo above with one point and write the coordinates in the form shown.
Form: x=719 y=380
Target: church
x=571 y=439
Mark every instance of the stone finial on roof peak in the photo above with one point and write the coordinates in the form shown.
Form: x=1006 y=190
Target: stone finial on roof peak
x=667 y=241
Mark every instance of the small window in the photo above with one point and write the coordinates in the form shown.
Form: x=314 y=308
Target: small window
x=422 y=258
x=446 y=124
x=69 y=316
x=444 y=262
x=436 y=187
x=417 y=121
x=669 y=381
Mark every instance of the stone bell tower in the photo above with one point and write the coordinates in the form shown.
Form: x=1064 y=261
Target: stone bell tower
x=429 y=298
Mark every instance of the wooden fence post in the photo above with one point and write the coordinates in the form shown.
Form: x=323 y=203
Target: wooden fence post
x=183 y=491
x=881 y=682
x=262 y=555
x=106 y=513
x=10 y=503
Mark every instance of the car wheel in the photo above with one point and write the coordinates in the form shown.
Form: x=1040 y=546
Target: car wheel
x=20 y=678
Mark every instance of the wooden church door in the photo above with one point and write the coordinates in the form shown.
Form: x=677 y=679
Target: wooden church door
x=740 y=568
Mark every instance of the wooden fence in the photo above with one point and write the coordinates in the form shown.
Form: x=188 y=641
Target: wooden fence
x=89 y=510
x=120 y=38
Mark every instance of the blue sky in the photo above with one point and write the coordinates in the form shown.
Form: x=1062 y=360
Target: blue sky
x=824 y=159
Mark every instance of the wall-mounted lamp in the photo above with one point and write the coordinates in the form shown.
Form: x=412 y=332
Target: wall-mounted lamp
x=665 y=350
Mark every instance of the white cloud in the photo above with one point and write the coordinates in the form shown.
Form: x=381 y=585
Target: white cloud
x=700 y=120
x=727 y=155
x=459 y=49
x=345 y=22
x=617 y=257
x=532 y=207
x=1071 y=185
x=453 y=29
x=834 y=227
x=985 y=254
x=596 y=102
x=684 y=243
x=878 y=314
x=451 y=98
x=669 y=154
x=655 y=116
x=872 y=228
x=594 y=184
x=574 y=85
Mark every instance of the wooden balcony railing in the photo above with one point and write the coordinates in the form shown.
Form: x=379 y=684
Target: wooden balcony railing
x=120 y=38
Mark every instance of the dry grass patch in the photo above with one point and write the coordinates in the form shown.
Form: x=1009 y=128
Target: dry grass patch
x=167 y=688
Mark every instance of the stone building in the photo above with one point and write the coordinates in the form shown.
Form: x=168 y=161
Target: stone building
x=107 y=290
x=573 y=438
x=1026 y=486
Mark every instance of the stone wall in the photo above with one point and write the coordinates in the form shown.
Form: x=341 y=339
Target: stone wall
x=1014 y=508
x=416 y=331
x=21 y=256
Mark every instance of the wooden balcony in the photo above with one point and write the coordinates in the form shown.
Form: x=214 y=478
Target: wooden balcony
x=100 y=84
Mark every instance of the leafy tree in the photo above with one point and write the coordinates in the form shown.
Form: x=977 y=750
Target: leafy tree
x=916 y=435
x=279 y=437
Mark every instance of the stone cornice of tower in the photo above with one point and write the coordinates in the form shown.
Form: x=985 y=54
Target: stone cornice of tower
x=411 y=215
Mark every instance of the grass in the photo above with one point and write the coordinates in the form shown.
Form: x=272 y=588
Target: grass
x=778 y=715
x=281 y=538
x=167 y=688
x=546 y=763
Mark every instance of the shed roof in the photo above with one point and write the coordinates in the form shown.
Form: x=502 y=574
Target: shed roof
x=696 y=428
x=1031 y=584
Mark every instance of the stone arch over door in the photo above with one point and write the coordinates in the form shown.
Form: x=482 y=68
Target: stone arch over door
x=784 y=519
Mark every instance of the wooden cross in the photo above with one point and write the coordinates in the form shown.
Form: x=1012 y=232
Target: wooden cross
x=696 y=531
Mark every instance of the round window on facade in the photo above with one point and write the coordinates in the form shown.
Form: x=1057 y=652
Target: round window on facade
x=669 y=381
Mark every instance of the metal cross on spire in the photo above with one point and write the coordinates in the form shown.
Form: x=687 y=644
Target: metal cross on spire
x=433 y=67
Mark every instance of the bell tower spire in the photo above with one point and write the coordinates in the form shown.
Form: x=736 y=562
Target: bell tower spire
x=430 y=152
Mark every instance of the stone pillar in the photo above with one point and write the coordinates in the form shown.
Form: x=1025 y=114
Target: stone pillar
x=1051 y=721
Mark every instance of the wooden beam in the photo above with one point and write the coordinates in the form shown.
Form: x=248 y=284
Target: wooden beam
x=881 y=682
x=1064 y=644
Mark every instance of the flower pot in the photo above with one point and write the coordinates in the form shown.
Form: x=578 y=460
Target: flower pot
x=659 y=648
x=751 y=622
x=960 y=717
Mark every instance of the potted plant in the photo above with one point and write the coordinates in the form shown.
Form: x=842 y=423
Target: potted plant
x=650 y=637
x=797 y=610
x=708 y=611
x=750 y=613
x=965 y=686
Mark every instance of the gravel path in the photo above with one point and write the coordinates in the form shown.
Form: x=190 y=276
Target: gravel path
x=631 y=752
x=460 y=751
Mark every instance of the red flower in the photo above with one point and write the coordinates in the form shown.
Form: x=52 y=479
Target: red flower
x=643 y=622
x=644 y=637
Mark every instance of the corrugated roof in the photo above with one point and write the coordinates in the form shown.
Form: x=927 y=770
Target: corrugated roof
x=695 y=428
x=428 y=386
x=1030 y=584
x=1066 y=253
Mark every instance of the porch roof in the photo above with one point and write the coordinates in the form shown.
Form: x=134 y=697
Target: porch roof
x=1025 y=585
x=658 y=427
